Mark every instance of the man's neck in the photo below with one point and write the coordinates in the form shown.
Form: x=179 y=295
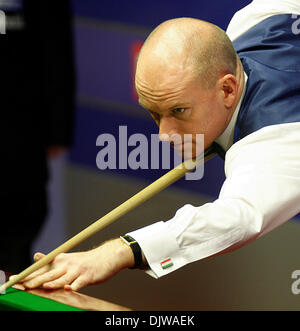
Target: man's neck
x=225 y=140
x=241 y=82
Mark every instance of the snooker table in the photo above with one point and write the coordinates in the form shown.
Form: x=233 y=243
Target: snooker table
x=54 y=300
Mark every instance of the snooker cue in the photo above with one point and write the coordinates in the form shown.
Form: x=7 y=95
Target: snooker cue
x=140 y=197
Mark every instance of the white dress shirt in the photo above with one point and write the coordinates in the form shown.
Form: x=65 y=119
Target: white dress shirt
x=257 y=11
x=261 y=190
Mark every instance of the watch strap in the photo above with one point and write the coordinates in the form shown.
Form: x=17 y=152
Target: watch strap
x=136 y=250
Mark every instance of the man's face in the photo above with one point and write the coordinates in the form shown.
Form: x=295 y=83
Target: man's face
x=180 y=106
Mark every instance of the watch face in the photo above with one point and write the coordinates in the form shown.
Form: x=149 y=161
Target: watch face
x=136 y=250
x=128 y=240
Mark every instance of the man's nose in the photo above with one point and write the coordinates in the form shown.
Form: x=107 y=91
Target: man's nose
x=166 y=129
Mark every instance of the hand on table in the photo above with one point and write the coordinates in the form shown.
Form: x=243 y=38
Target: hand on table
x=73 y=271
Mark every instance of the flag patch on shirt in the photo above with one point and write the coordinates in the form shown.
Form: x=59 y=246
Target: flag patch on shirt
x=166 y=263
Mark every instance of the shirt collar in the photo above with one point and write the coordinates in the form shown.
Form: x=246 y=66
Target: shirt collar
x=225 y=140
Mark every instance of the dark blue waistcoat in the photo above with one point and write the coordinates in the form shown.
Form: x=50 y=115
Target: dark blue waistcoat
x=270 y=54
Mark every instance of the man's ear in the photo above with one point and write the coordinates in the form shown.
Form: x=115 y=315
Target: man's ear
x=229 y=88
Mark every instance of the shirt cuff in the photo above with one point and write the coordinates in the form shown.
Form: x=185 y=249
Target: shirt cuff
x=156 y=238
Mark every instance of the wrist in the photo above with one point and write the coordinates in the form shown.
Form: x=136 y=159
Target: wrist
x=124 y=254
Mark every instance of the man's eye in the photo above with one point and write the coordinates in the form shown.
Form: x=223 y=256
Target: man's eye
x=178 y=110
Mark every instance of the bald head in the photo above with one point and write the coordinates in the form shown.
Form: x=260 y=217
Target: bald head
x=189 y=45
x=189 y=78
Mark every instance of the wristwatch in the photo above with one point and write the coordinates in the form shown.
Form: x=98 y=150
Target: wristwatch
x=136 y=250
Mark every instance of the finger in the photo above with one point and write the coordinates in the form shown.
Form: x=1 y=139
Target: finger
x=12 y=277
x=20 y=282
x=37 y=256
x=46 y=268
x=68 y=287
x=36 y=273
x=44 y=278
x=18 y=287
x=60 y=282
x=78 y=284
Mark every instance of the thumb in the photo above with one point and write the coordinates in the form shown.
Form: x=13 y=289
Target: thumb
x=38 y=256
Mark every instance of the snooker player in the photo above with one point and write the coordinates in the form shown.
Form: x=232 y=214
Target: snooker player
x=241 y=90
